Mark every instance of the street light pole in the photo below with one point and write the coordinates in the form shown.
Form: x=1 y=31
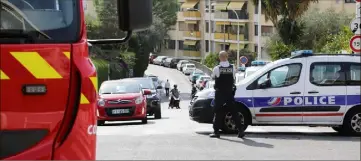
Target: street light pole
x=237 y=38
x=259 y=52
x=209 y=26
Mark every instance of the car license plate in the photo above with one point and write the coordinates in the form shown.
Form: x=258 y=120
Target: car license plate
x=120 y=111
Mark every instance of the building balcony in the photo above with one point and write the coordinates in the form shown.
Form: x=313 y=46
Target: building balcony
x=220 y=15
x=180 y=16
x=192 y=34
x=190 y=53
x=227 y=36
x=192 y=15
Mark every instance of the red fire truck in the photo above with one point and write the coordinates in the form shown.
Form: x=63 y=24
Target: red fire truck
x=47 y=81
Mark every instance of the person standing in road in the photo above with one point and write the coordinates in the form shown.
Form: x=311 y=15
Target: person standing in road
x=224 y=75
x=167 y=86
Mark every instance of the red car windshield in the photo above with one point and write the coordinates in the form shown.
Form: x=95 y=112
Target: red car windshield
x=119 y=88
x=45 y=21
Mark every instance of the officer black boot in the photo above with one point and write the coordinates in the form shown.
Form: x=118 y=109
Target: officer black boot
x=215 y=135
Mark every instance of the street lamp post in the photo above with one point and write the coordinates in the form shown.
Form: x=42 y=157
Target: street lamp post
x=259 y=52
x=237 y=38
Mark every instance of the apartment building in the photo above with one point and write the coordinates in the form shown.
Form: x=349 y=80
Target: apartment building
x=205 y=26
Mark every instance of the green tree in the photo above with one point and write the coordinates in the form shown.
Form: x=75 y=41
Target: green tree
x=318 y=26
x=211 y=60
x=283 y=14
x=338 y=42
x=141 y=43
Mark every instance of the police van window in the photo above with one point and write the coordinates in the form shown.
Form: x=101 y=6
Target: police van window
x=325 y=74
x=285 y=75
x=355 y=72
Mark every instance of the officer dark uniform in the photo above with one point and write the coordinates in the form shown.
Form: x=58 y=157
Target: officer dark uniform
x=224 y=94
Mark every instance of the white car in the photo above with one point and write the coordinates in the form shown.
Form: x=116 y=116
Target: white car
x=250 y=70
x=305 y=90
x=189 y=68
x=180 y=63
x=239 y=76
x=201 y=79
x=158 y=60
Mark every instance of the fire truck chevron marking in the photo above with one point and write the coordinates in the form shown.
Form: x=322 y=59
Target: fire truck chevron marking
x=67 y=54
x=3 y=76
x=83 y=99
x=36 y=65
x=95 y=83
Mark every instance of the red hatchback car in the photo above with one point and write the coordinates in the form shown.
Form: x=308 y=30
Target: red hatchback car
x=122 y=100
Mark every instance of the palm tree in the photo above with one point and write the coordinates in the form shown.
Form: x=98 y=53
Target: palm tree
x=283 y=14
x=290 y=9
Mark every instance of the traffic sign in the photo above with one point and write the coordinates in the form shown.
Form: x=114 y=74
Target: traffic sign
x=243 y=60
x=355 y=43
x=355 y=26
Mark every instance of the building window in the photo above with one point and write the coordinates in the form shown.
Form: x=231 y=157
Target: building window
x=182 y=26
x=171 y=44
x=350 y=1
x=180 y=45
x=265 y=30
x=207 y=27
x=207 y=45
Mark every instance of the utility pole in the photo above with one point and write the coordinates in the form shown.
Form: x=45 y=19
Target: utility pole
x=259 y=47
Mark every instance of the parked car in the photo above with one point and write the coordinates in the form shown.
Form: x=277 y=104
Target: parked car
x=163 y=61
x=209 y=84
x=201 y=79
x=188 y=68
x=167 y=62
x=181 y=64
x=121 y=100
x=173 y=63
x=151 y=58
x=194 y=73
x=153 y=99
x=158 y=60
x=157 y=83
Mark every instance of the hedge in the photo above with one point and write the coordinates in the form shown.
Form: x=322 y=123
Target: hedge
x=102 y=70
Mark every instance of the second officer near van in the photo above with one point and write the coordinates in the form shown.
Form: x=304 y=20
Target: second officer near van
x=224 y=94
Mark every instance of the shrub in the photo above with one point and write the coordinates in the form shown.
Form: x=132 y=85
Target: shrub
x=102 y=70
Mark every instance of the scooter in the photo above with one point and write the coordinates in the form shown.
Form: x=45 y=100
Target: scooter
x=194 y=91
x=175 y=102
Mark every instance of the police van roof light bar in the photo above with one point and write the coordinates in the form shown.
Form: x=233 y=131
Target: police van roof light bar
x=301 y=53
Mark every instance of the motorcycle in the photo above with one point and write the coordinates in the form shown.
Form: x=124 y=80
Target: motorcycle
x=175 y=102
x=194 y=91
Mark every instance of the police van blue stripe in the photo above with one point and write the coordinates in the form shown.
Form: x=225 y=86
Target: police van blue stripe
x=290 y=101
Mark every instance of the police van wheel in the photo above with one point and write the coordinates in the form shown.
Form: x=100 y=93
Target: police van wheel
x=229 y=126
x=352 y=123
x=100 y=122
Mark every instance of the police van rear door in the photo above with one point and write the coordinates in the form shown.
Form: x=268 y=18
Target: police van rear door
x=325 y=90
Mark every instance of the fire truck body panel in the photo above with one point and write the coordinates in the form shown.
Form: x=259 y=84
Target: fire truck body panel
x=60 y=123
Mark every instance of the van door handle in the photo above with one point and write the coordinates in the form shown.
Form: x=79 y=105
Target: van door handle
x=295 y=93
x=312 y=92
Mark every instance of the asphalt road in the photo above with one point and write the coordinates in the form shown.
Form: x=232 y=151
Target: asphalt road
x=176 y=137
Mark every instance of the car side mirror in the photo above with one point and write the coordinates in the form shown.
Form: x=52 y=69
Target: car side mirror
x=147 y=92
x=159 y=87
x=135 y=15
x=265 y=84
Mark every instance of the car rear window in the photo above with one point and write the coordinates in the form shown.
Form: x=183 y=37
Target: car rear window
x=191 y=66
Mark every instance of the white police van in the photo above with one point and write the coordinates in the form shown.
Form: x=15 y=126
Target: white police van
x=305 y=89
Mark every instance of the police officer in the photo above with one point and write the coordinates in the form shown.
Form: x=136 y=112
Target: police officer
x=224 y=94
